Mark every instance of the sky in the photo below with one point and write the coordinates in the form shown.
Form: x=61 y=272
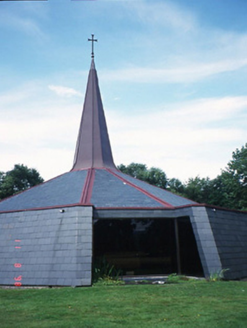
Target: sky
x=172 y=76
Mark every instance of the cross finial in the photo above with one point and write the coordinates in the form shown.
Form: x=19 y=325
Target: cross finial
x=92 y=40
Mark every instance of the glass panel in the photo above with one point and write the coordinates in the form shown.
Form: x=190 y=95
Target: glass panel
x=136 y=246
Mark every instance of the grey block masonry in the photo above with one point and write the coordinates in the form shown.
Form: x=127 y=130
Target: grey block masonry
x=46 y=247
x=230 y=233
x=205 y=240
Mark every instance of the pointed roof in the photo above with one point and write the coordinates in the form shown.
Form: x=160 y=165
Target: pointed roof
x=94 y=179
x=93 y=149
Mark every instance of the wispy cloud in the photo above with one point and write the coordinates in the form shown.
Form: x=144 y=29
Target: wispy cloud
x=164 y=13
x=186 y=73
x=65 y=91
x=195 y=115
x=22 y=24
x=192 y=138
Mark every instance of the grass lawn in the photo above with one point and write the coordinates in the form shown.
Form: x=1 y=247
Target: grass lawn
x=187 y=304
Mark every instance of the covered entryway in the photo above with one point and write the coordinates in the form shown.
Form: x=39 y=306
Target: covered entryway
x=147 y=246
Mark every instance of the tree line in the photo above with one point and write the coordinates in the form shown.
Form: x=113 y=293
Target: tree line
x=229 y=189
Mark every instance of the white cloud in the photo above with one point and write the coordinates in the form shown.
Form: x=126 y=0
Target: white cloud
x=64 y=91
x=187 y=139
x=186 y=73
x=164 y=13
x=204 y=111
x=193 y=138
x=27 y=25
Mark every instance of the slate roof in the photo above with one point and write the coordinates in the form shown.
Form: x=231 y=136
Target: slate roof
x=94 y=178
x=102 y=188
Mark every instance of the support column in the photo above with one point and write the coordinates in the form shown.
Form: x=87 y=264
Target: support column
x=178 y=258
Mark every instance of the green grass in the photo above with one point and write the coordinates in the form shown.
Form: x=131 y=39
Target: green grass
x=188 y=304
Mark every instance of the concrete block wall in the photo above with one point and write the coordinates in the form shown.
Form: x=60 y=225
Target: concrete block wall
x=205 y=240
x=46 y=247
x=230 y=233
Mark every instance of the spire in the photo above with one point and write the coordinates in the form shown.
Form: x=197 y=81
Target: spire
x=93 y=149
x=92 y=40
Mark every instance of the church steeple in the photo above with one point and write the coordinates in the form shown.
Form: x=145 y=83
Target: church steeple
x=93 y=149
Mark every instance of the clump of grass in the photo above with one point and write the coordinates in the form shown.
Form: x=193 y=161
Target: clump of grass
x=107 y=280
x=106 y=273
x=174 y=278
x=218 y=275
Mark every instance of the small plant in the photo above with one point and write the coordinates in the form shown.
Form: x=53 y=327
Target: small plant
x=218 y=275
x=175 y=278
x=106 y=280
x=105 y=272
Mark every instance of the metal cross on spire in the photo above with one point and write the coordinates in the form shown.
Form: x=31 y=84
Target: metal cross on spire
x=92 y=40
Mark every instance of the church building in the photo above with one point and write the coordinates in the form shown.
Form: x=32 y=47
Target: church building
x=51 y=234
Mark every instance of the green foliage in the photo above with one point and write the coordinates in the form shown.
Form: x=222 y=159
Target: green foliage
x=198 y=189
x=229 y=189
x=218 y=275
x=108 y=281
x=135 y=170
x=105 y=272
x=154 y=175
x=236 y=176
x=174 y=278
x=176 y=186
x=18 y=179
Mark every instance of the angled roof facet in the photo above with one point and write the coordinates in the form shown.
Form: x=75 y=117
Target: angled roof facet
x=63 y=190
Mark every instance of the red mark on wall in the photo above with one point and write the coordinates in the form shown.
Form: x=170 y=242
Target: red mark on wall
x=18 y=241
x=18 y=265
x=18 y=284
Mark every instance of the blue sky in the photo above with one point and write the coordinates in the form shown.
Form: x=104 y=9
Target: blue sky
x=172 y=76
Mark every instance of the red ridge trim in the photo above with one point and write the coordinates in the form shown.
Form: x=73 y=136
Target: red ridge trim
x=140 y=189
x=88 y=187
x=135 y=208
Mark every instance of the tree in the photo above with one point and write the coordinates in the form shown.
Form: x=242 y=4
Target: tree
x=18 y=179
x=136 y=170
x=230 y=187
x=154 y=175
x=198 y=189
x=176 y=186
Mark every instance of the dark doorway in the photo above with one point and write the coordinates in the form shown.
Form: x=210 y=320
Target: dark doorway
x=143 y=246
x=189 y=257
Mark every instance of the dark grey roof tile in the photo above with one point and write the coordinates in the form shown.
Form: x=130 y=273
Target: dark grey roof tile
x=109 y=191
x=164 y=195
x=63 y=190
